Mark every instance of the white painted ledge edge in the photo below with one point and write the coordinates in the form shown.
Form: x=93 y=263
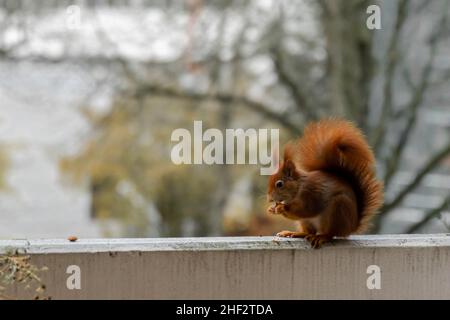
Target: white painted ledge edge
x=50 y=246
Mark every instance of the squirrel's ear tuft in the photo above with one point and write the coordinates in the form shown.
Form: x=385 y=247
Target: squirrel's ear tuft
x=289 y=169
x=289 y=151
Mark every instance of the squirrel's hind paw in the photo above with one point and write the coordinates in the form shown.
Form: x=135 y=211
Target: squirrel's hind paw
x=317 y=240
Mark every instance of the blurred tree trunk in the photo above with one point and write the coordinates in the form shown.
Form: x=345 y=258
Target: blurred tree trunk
x=350 y=61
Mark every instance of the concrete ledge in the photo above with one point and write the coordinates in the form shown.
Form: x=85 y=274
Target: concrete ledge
x=412 y=267
x=45 y=246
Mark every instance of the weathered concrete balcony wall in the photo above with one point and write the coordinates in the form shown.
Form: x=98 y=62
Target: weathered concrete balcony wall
x=411 y=267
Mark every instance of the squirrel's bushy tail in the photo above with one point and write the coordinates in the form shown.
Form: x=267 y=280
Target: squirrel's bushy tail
x=339 y=147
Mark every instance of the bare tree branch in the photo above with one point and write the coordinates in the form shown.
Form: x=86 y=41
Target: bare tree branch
x=415 y=102
x=392 y=60
x=422 y=5
x=296 y=92
x=429 y=216
x=430 y=165
x=224 y=98
x=9 y=55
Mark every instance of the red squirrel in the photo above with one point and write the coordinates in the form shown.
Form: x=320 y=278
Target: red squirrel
x=327 y=183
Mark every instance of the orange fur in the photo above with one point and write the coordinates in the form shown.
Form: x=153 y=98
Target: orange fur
x=333 y=181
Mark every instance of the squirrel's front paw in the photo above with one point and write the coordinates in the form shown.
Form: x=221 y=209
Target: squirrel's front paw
x=291 y=234
x=271 y=209
x=277 y=208
x=280 y=208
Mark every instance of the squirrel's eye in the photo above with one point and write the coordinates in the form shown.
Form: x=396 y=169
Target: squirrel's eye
x=279 y=184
